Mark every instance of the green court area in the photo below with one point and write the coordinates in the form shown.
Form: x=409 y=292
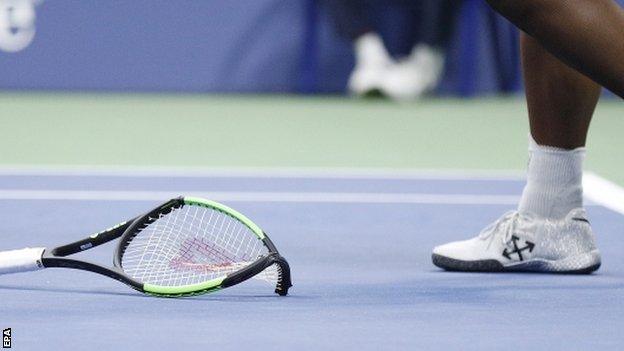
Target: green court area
x=283 y=131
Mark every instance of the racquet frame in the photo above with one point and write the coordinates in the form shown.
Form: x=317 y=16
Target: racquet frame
x=126 y=231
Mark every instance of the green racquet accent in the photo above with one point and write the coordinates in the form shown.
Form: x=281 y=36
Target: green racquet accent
x=190 y=200
x=184 y=289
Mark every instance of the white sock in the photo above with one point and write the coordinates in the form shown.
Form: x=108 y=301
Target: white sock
x=370 y=50
x=554 y=181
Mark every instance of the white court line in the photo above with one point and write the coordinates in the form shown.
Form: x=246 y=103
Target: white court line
x=598 y=190
x=603 y=192
x=305 y=197
x=199 y=172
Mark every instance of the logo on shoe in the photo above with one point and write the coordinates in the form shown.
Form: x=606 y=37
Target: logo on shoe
x=518 y=250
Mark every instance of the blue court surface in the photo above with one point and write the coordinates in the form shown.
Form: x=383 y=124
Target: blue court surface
x=359 y=248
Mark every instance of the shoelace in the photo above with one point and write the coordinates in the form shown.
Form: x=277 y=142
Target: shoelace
x=506 y=222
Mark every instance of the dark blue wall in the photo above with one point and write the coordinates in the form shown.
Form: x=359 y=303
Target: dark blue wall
x=189 y=45
x=226 y=46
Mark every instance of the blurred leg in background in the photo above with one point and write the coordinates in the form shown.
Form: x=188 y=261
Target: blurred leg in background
x=350 y=18
x=421 y=71
x=375 y=70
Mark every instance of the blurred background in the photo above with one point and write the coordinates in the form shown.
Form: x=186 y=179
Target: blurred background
x=445 y=74
x=260 y=46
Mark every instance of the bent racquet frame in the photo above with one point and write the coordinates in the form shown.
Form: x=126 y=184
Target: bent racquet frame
x=22 y=260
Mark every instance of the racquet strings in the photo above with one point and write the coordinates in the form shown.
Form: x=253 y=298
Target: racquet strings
x=192 y=245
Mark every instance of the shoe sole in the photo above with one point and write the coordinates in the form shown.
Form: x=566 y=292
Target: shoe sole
x=580 y=264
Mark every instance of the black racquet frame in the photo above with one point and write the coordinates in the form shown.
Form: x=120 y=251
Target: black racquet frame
x=57 y=257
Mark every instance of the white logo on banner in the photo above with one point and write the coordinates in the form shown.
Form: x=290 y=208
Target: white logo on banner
x=17 y=24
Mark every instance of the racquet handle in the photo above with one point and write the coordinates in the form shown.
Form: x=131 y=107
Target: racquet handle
x=24 y=260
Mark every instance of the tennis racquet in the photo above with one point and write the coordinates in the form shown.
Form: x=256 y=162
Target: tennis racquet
x=186 y=246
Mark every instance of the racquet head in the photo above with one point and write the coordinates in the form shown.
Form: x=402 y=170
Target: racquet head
x=191 y=246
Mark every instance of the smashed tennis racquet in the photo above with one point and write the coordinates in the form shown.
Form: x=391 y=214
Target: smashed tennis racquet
x=186 y=246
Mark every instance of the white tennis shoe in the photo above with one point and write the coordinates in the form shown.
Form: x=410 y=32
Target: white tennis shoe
x=415 y=75
x=523 y=243
x=372 y=63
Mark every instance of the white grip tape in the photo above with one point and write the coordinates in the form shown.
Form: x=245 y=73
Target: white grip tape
x=23 y=260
